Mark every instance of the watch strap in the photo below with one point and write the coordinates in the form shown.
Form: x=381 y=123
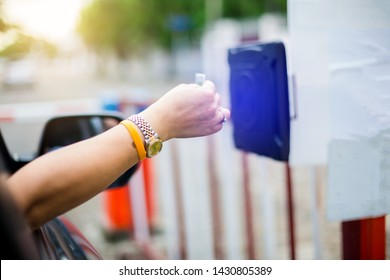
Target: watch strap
x=145 y=127
x=139 y=145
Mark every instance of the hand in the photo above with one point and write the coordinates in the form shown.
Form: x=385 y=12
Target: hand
x=187 y=110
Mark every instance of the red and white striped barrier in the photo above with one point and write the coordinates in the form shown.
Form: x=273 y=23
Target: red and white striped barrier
x=43 y=110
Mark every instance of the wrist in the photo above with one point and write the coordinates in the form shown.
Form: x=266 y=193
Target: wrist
x=157 y=121
x=152 y=141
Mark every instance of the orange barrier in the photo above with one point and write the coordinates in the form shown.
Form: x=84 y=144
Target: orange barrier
x=117 y=209
x=117 y=203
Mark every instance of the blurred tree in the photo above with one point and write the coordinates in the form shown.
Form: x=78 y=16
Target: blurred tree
x=18 y=48
x=22 y=43
x=129 y=26
x=249 y=8
x=119 y=25
x=3 y=25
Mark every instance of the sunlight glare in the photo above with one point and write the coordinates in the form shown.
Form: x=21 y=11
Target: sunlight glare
x=52 y=20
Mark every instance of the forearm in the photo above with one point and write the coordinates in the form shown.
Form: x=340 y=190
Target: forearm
x=63 y=179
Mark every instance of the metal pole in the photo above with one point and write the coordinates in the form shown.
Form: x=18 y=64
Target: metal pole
x=215 y=199
x=290 y=211
x=179 y=200
x=248 y=208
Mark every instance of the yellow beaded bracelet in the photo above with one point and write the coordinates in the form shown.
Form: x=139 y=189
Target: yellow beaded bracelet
x=133 y=130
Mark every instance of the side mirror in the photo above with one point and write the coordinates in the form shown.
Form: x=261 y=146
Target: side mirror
x=66 y=130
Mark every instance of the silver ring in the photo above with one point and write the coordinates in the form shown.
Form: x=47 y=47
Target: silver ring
x=224 y=116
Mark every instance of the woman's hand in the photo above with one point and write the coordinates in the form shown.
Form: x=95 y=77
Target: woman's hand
x=49 y=186
x=187 y=110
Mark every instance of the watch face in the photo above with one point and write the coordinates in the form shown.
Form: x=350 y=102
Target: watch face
x=154 y=147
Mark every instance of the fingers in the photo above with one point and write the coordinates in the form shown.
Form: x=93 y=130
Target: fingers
x=225 y=111
x=224 y=114
x=191 y=110
x=209 y=86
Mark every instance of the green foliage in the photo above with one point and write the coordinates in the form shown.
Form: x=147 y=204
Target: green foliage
x=23 y=45
x=3 y=25
x=180 y=18
x=20 y=47
x=249 y=8
x=130 y=26
x=120 y=25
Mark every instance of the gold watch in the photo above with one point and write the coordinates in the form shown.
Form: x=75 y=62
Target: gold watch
x=153 y=143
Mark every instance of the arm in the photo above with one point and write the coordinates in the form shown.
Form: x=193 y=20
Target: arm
x=65 y=178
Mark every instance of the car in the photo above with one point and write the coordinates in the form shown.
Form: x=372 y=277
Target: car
x=58 y=239
x=19 y=74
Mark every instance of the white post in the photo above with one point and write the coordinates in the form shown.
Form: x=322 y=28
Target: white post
x=138 y=206
x=267 y=210
x=315 y=213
